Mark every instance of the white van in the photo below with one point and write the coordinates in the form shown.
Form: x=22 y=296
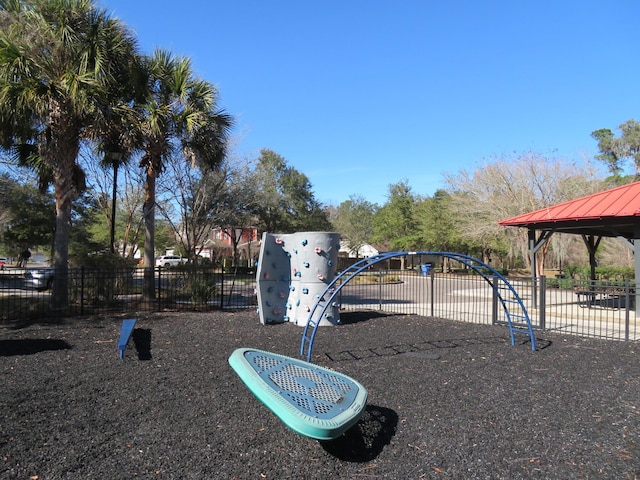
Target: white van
x=169 y=261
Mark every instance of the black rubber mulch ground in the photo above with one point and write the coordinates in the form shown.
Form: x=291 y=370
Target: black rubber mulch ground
x=446 y=400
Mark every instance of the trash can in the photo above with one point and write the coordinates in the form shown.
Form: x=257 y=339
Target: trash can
x=426 y=268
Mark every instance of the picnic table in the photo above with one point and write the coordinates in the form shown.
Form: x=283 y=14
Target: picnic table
x=603 y=296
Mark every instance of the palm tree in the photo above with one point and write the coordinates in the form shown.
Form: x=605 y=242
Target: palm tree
x=180 y=113
x=60 y=61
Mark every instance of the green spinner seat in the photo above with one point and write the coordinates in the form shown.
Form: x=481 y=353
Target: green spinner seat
x=311 y=400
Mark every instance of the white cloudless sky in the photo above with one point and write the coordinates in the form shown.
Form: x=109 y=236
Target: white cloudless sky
x=361 y=94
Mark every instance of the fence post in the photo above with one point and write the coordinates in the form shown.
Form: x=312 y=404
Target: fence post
x=159 y=291
x=222 y=288
x=432 y=287
x=627 y=306
x=542 y=310
x=379 y=289
x=494 y=302
x=81 y=289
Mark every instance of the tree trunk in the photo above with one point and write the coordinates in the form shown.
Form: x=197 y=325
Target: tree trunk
x=61 y=153
x=541 y=257
x=148 y=213
x=60 y=286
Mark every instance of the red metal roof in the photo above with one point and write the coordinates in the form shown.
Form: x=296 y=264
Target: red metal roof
x=616 y=203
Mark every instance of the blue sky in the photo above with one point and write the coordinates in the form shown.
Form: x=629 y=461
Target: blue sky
x=360 y=94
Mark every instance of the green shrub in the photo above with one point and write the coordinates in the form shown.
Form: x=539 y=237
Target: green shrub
x=614 y=274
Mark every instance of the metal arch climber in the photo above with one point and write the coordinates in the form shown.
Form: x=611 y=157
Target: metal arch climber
x=518 y=321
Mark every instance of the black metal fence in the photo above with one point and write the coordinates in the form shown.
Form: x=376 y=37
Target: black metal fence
x=594 y=309
x=580 y=307
x=25 y=294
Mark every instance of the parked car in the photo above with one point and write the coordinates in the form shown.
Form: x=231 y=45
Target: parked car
x=169 y=261
x=3 y=262
x=39 y=278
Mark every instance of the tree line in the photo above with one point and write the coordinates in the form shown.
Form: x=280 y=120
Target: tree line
x=268 y=194
x=463 y=217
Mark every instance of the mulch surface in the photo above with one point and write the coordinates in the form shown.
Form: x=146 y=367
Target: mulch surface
x=446 y=400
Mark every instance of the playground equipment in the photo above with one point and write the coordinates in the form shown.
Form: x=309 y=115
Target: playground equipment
x=313 y=401
x=293 y=271
x=125 y=334
x=515 y=313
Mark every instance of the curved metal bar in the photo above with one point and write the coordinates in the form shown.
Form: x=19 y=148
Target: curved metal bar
x=330 y=292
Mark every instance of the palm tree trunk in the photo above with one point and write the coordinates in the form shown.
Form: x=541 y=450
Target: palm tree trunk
x=60 y=287
x=148 y=213
x=61 y=154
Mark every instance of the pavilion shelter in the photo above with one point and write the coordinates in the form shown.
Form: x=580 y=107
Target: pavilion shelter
x=611 y=213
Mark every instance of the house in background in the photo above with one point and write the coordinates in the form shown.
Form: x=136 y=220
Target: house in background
x=239 y=246
x=241 y=243
x=364 y=251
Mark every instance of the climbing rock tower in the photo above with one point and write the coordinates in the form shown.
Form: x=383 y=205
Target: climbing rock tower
x=293 y=271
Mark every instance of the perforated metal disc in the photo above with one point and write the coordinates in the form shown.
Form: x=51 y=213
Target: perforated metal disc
x=311 y=400
x=310 y=388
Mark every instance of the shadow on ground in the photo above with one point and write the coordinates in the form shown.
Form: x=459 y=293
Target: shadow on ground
x=29 y=346
x=347 y=318
x=366 y=439
x=142 y=342
x=425 y=349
